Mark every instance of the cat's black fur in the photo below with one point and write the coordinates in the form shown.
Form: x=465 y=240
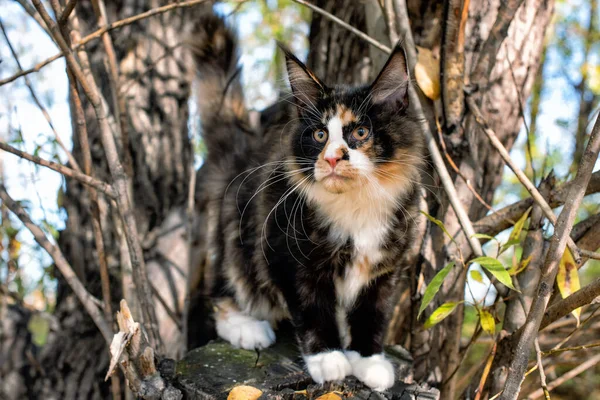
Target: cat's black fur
x=282 y=242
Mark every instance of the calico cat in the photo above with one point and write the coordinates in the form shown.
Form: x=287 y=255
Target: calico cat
x=308 y=220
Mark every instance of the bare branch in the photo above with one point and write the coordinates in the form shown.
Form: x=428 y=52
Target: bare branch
x=506 y=217
x=540 y=366
x=39 y=104
x=557 y=247
x=88 y=301
x=591 y=362
x=487 y=56
x=352 y=29
x=83 y=178
x=97 y=34
x=520 y=175
x=119 y=177
x=563 y=307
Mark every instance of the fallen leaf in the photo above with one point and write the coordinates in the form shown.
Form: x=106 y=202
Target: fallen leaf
x=244 y=393
x=329 y=396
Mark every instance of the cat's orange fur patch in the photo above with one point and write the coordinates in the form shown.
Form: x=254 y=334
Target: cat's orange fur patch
x=345 y=114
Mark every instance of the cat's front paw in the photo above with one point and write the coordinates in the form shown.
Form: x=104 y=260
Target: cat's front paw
x=328 y=366
x=375 y=371
x=245 y=332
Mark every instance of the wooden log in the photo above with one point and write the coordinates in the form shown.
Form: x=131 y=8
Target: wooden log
x=212 y=371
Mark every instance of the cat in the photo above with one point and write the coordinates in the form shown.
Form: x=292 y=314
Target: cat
x=308 y=220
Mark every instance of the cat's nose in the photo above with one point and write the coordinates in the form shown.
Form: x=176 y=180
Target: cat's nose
x=333 y=160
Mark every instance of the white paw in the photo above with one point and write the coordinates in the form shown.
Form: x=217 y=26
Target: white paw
x=245 y=332
x=328 y=366
x=375 y=371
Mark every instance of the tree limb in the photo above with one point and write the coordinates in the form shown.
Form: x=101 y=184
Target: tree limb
x=557 y=247
x=539 y=199
x=506 y=217
x=88 y=301
x=97 y=34
x=83 y=178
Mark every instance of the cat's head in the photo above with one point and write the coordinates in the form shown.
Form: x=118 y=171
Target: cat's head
x=352 y=137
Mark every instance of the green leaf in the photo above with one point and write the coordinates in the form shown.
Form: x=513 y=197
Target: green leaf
x=476 y=276
x=516 y=232
x=434 y=287
x=515 y=270
x=484 y=236
x=442 y=312
x=496 y=268
x=440 y=224
x=487 y=322
x=509 y=244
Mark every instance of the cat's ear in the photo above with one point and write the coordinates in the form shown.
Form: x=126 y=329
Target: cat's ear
x=391 y=85
x=306 y=87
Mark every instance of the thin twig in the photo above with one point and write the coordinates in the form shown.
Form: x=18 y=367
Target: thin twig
x=352 y=29
x=557 y=247
x=97 y=34
x=119 y=177
x=88 y=301
x=66 y=13
x=39 y=104
x=71 y=173
x=505 y=217
x=457 y=170
x=540 y=365
x=118 y=99
x=563 y=307
x=522 y=112
x=519 y=174
x=567 y=377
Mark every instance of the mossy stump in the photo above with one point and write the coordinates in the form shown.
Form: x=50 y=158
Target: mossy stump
x=212 y=371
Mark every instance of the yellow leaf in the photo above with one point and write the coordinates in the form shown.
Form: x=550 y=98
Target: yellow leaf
x=567 y=279
x=329 y=396
x=515 y=270
x=440 y=313
x=244 y=393
x=516 y=232
x=427 y=73
x=487 y=322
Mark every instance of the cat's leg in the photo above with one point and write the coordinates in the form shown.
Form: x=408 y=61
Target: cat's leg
x=368 y=322
x=239 y=329
x=318 y=335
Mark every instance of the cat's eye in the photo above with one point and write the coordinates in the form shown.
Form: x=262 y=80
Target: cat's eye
x=320 y=135
x=360 y=133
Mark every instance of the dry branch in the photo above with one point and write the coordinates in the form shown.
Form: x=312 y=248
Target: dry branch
x=83 y=178
x=558 y=243
x=506 y=217
x=97 y=34
x=119 y=177
x=38 y=103
x=88 y=301
x=539 y=199
x=352 y=29
x=130 y=350
x=591 y=362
